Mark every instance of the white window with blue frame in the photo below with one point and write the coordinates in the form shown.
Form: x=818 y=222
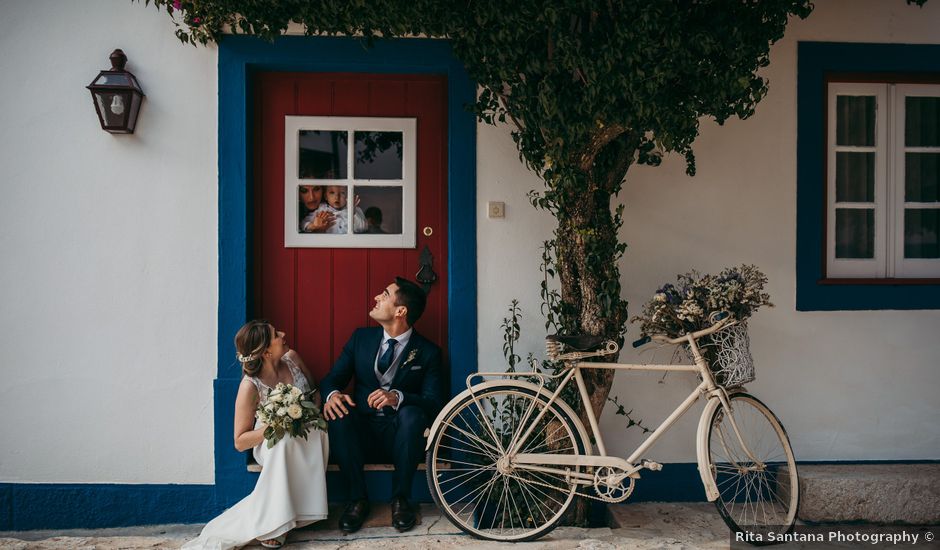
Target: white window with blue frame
x=868 y=176
x=883 y=156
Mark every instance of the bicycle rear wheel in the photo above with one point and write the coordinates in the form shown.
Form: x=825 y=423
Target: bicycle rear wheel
x=478 y=488
x=758 y=487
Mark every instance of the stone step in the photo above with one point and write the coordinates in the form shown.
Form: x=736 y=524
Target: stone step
x=877 y=493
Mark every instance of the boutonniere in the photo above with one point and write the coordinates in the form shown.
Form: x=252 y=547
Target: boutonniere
x=411 y=357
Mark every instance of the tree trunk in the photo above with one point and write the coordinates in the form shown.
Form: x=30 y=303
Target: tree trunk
x=590 y=281
x=587 y=251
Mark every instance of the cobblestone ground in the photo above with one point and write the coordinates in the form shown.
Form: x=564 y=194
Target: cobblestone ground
x=652 y=526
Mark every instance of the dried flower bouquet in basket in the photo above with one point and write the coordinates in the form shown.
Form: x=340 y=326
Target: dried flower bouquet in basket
x=687 y=306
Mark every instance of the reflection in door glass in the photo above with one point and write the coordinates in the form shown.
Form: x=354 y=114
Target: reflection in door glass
x=381 y=207
x=325 y=209
x=378 y=155
x=322 y=154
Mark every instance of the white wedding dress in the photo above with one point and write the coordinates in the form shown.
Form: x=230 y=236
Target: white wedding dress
x=290 y=493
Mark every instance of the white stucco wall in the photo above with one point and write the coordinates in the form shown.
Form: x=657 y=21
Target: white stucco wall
x=108 y=262
x=847 y=385
x=108 y=277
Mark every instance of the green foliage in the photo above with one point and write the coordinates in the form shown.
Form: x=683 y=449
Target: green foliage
x=511 y=332
x=572 y=74
x=622 y=411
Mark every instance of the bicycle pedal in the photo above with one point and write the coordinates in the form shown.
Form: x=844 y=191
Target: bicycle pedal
x=652 y=466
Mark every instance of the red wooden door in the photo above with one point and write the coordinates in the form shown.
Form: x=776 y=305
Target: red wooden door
x=318 y=296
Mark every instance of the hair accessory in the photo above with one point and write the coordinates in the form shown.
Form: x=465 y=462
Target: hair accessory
x=246 y=358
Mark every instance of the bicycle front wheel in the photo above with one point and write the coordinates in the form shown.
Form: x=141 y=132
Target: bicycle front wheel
x=757 y=482
x=472 y=479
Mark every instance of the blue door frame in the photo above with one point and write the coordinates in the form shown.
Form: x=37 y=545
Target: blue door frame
x=239 y=58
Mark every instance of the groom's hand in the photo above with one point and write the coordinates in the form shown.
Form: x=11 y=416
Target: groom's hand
x=335 y=407
x=381 y=398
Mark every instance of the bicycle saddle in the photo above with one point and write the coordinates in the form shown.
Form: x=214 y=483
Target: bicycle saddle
x=578 y=342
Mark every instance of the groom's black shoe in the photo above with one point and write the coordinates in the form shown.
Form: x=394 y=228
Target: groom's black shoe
x=403 y=516
x=354 y=516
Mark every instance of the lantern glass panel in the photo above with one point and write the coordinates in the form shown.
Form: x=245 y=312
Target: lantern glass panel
x=113 y=79
x=114 y=108
x=134 y=110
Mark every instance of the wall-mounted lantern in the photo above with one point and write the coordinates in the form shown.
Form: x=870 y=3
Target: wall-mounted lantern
x=117 y=96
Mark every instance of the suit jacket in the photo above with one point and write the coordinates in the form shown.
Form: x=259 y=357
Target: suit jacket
x=419 y=377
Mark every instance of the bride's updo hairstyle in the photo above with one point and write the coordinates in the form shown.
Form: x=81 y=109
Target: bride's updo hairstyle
x=250 y=342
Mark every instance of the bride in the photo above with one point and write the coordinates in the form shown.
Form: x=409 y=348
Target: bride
x=291 y=491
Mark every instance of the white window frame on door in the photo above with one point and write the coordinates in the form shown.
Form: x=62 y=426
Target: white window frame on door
x=889 y=204
x=408 y=182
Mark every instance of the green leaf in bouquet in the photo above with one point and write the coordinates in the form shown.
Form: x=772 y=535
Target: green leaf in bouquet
x=308 y=405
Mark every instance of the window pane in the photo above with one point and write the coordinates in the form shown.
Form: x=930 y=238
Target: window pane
x=855 y=120
x=322 y=154
x=855 y=233
x=920 y=233
x=855 y=177
x=378 y=155
x=381 y=207
x=922 y=121
x=921 y=177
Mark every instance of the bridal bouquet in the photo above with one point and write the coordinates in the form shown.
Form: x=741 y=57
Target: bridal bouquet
x=288 y=410
x=686 y=306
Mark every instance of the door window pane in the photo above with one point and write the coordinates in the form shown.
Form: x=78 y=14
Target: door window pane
x=855 y=120
x=922 y=121
x=921 y=227
x=382 y=209
x=855 y=177
x=855 y=233
x=378 y=155
x=921 y=177
x=331 y=214
x=322 y=154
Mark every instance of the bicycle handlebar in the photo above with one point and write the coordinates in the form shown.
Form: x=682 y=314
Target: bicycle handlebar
x=722 y=320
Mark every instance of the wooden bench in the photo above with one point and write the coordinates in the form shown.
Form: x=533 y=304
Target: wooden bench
x=255 y=467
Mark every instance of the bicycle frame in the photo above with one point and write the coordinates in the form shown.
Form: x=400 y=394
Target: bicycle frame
x=629 y=466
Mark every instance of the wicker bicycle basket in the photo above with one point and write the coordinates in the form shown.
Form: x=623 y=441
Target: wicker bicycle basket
x=729 y=355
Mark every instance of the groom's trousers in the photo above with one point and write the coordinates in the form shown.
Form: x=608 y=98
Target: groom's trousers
x=360 y=438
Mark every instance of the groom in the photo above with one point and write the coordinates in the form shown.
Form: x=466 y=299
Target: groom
x=397 y=393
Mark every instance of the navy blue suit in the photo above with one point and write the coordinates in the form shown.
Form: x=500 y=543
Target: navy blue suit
x=396 y=436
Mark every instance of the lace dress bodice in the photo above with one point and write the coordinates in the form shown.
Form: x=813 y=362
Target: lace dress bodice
x=297 y=376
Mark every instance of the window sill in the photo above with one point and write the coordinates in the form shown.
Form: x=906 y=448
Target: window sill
x=883 y=282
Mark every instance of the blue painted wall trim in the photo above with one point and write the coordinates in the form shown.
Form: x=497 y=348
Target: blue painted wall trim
x=25 y=506
x=239 y=58
x=815 y=61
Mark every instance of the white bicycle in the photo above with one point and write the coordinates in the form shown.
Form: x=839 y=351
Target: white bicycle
x=506 y=457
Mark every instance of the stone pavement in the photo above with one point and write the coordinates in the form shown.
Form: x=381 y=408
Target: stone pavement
x=642 y=526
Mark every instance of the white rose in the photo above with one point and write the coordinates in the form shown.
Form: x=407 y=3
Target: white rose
x=295 y=392
x=295 y=411
x=269 y=407
x=282 y=411
x=276 y=397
